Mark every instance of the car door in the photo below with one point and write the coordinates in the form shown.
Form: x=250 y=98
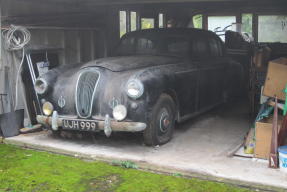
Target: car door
x=186 y=73
x=187 y=85
x=211 y=72
x=218 y=63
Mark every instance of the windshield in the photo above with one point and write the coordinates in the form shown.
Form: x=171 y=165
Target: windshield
x=147 y=44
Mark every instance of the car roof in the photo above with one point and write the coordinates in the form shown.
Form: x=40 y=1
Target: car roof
x=173 y=31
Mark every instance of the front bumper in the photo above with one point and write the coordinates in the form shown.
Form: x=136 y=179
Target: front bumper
x=108 y=125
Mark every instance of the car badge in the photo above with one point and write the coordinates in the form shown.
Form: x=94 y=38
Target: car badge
x=113 y=103
x=61 y=102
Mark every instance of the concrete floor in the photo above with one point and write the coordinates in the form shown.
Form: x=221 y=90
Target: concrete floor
x=200 y=146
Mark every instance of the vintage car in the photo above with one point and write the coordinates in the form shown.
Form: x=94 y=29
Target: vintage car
x=155 y=78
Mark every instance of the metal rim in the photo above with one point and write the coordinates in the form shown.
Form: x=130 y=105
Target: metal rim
x=164 y=120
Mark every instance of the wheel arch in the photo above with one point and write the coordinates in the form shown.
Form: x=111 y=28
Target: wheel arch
x=174 y=97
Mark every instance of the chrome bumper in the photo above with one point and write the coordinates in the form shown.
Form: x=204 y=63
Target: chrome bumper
x=107 y=125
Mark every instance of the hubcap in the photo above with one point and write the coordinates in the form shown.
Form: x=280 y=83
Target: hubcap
x=164 y=120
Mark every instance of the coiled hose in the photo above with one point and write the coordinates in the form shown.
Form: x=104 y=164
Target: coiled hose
x=16 y=38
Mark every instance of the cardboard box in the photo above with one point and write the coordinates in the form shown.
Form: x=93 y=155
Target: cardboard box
x=263 y=135
x=276 y=79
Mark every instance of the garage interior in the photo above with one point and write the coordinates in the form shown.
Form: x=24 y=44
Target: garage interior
x=210 y=145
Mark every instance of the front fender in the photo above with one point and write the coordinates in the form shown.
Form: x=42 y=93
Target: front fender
x=156 y=82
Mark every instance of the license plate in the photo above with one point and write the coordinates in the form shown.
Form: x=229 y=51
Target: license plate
x=82 y=125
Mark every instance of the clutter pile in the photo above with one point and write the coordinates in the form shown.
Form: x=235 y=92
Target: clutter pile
x=267 y=139
x=15 y=39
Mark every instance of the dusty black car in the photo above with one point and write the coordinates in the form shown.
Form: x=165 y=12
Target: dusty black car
x=156 y=77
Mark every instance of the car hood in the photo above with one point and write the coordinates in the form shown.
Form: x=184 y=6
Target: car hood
x=125 y=63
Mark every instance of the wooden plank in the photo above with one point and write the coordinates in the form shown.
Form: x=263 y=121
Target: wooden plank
x=273 y=157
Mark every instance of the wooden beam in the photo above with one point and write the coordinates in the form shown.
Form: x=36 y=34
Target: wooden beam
x=128 y=21
x=0 y=37
x=255 y=27
x=205 y=21
x=238 y=20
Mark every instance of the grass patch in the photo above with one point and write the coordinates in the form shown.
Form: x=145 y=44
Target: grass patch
x=28 y=171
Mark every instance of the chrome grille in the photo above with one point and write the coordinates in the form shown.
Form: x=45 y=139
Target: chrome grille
x=86 y=87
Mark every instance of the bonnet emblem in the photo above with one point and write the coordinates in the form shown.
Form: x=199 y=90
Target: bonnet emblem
x=61 y=102
x=113 y=103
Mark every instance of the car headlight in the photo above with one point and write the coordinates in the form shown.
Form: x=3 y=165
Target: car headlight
x=120 y=112
x=48 y=108
x=41 y=86
x=134 y=88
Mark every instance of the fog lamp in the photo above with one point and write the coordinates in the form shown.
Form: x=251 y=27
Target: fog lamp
x=120 y=112
x=48 y=108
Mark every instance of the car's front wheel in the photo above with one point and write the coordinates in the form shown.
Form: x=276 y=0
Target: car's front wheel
x=162 y=121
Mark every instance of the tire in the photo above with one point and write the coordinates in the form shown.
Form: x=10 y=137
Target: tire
x=162 y=120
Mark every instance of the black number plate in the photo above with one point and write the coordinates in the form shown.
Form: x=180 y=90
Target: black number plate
x=82 y=125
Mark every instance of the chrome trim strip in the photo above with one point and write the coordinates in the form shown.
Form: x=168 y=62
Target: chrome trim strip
x=94 y=92
x=114 y=125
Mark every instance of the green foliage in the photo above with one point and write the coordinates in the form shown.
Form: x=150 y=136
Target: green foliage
x=28 y=171
x=247 y=23
x=197 y=21
x=147 y=23
x=125 y=164
x=177 y=174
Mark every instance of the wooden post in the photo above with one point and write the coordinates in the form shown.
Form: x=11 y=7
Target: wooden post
x=283 y=132
x=239 y=20
x=273 y=158
x=0 y=37
x=128 y=21
x=205 y=21
x=255 y=27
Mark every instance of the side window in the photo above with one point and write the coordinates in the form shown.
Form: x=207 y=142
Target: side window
x=145 y=46
x=126 y=46
x=199 y=49
x=178 y=46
